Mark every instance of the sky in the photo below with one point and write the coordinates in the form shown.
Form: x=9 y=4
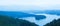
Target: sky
x=17 y=5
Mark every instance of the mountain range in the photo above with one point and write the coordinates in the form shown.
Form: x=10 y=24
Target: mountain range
x=16 y=14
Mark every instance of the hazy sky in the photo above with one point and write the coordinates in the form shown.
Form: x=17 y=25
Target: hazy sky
x=30 y=5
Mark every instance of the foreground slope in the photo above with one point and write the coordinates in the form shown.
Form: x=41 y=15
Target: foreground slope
x=54 y=23
x=9 y=21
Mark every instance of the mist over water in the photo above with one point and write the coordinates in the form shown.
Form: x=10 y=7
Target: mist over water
x=42 y=22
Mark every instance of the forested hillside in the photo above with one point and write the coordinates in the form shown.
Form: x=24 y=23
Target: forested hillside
x=54 y=23
x=10 y=21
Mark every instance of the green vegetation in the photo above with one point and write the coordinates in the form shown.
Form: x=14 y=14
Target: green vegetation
x=54 y=23
x=10 y=21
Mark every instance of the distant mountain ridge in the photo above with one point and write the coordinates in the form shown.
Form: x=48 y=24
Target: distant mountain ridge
x=21 y=14
x=15 y=14
x=51 y=12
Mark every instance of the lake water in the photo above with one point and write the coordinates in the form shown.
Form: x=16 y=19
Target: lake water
x=42 y=22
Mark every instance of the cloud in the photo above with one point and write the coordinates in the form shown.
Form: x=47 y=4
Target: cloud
x=18 y=2
x=40 y=4
x=19 y=8
x=50 y=4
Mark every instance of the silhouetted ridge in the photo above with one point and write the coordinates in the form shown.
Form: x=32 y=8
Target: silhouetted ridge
x=54 y=23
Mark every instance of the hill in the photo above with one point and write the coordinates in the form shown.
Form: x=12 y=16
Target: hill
x=54 y=23
x=9 y=21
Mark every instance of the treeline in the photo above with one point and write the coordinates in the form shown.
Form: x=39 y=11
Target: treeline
x=54 y=23
x=10 y=21
x=52 y=12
